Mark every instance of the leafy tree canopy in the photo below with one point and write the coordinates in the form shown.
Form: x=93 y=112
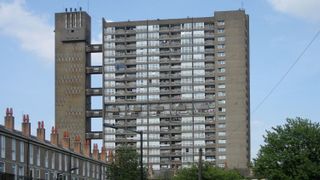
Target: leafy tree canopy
x=125 y=165
x=208 y=172
x=291 y=151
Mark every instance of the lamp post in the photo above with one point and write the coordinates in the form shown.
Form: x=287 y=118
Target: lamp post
x=70 y=166
x=59 y=174
x=200 y=165
x=141 y=145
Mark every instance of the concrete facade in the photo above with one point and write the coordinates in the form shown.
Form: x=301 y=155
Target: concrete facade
x=183 y=82
x=72 y=35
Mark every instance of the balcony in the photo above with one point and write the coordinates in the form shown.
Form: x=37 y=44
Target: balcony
x=164 y=122
x=165 y=67
x=112 y=110
x=209 y=50
x=209 y=35
x=176 y=67
x=209 y=121
x=209 y=27
x=209 y=42
x=210 y=153
x=176 y=153
x=176 y=130
x=165 y=138
x=164 y=59
x=131 y=69
x=120 y=31
x=209 y=67
x=209 y=73
x=170 y=44
x=179 y=108
x=209 y=58
x=157 y=108
x=164 y=129
x=164 y=29
x=166 y=161
x=176 y=137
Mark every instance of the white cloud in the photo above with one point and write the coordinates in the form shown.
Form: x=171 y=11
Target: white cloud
x=33 y=33
x=306 y=9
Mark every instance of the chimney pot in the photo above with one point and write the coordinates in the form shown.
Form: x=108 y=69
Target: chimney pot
x=7 y=112
x=41 y=132
x=95 y=153
x=86 y=150
x=103 y=154
x=54 y=136
x=9 y=119
x=66 y=140
x=77 y=144
x=110 y=156
x=26 y=126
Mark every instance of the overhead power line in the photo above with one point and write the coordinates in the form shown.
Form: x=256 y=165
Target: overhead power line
x=287 y=72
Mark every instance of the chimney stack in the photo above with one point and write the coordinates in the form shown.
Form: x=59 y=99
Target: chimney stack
x=95 y=152
x=86 y=150
x=77 y=144
x=54 y=136
x=103 y=154
x=110 y=156
x=26 y=131
x=66 y=140
x=41 y=131
x=9 y=119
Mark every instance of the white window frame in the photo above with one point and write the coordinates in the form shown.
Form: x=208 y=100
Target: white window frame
x=21 y=151
x=13 y=149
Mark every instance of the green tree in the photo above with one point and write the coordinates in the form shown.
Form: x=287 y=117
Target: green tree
x=125 y=165
x=291 y=151
x=208 y=172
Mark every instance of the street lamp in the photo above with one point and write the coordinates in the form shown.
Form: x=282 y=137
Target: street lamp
x=59 y=174
x=141 y=141
x=72 y=169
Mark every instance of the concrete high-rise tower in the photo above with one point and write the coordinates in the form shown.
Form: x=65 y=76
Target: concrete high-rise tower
x=183 y=82
x=73 y=73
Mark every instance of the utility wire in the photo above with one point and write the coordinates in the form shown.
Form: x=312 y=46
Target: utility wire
x=287 y=72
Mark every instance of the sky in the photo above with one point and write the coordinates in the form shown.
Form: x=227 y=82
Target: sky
x=279 y=31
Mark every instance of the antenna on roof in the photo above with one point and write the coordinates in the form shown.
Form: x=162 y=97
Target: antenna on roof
x=242 y=5
x=88 y=5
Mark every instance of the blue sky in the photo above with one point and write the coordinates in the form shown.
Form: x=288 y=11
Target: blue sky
x=279 y=31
